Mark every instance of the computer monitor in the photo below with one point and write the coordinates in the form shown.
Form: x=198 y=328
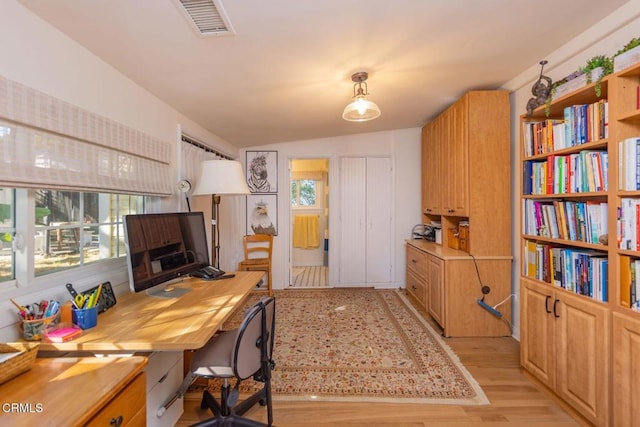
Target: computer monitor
x=163 y=247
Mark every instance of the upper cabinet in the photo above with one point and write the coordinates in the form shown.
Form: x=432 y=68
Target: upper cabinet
x=466 y=170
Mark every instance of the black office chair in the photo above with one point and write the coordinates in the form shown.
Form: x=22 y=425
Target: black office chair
x=240 y=354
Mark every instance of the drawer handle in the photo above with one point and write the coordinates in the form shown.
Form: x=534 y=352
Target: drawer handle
x=116 y=422
x=413 y=261
x=546 y=304
x=164 y=377
x=555 y=304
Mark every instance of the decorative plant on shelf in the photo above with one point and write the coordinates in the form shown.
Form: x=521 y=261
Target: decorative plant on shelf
x=634 y=42
x=598 y=61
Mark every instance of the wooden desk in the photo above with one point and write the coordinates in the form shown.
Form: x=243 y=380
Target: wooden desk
x=140 y=322
x=76 y=392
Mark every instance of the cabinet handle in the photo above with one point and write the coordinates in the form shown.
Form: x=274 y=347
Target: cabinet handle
x=451 y=210
x=546 y=304
x=555 y=304
x=413 y=261
x=116 y=422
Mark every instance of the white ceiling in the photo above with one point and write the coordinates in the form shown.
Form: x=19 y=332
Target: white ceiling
x=286 y=73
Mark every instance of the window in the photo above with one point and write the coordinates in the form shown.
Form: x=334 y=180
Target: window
x=7 y=231
x=74 y=228
x=67 y=229
x=303 y=193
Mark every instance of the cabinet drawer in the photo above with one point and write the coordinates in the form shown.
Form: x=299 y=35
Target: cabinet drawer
x=417 y=288
x=417 y=262
x=127 y=405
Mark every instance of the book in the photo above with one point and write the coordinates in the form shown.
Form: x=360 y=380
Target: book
x=625 y=281
x=63 y=334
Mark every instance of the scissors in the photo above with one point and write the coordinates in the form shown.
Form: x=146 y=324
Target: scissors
x=79 y=300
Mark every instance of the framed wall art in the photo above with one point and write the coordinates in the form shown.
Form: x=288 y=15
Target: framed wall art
x=262 y=171
x=262 y=214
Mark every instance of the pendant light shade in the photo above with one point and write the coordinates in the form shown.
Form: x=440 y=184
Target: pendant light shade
x=361 y=109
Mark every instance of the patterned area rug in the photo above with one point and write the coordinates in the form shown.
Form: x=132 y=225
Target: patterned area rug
x=360 y=345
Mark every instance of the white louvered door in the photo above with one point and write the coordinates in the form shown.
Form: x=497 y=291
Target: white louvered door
x=365 y=221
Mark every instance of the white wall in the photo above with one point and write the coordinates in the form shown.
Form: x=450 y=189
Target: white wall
x=39 y=56
x=402 y=145
x=605 y=38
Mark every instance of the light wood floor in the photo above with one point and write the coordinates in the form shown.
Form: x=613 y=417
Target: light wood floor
x=494 y=363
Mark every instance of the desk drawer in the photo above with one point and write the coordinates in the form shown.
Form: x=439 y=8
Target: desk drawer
x=417 y=262
x=417 y=288
x=125 y=406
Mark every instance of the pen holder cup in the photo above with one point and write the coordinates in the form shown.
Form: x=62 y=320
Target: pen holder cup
x=32 y=330
x=85 y=318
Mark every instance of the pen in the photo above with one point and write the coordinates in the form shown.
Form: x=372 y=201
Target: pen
x=97 y=295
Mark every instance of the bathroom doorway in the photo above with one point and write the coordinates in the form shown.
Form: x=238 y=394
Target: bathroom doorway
x=309 y=208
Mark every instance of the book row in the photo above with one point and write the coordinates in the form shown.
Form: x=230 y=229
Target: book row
x=627 y=224
x=566 y=219
x=630 y=282
x=586 y=171
x=580 y=271
x=629 y=164
x=580 y=124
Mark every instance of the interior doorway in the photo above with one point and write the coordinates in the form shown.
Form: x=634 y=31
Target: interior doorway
x=309 y=217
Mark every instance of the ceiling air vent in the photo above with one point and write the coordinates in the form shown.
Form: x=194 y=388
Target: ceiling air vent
x=207 y=17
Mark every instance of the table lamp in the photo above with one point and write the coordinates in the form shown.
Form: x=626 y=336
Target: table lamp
x=219 y=177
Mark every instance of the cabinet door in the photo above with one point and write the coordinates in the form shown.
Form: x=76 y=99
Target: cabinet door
x=435 y=288
x=626 y=376
x=582 y=373
x=431 y=174
x=537 y=344
x=455 y=164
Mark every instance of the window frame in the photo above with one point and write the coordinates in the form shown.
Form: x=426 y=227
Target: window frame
x=298 y=206
x=24 y=253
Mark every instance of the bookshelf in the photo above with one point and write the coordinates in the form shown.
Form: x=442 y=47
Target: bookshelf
x=580 y=273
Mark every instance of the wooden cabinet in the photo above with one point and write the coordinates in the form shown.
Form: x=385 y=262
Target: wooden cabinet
x=466 y=170
x=84 y=391
x=417 y=275
x=564 y=344
x=126 y=409
x=465 y=179
x=452 y=290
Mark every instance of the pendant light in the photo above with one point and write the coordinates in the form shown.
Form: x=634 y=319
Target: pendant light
x=360 y=110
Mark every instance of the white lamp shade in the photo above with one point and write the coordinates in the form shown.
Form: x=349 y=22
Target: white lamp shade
x=361 y=110
x=221 y=177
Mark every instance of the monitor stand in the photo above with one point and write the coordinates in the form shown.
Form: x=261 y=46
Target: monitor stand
x=167 y=289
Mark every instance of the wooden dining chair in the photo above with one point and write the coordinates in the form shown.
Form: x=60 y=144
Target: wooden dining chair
x=257 y=255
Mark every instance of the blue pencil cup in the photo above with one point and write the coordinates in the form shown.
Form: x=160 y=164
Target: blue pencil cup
x=85 y=318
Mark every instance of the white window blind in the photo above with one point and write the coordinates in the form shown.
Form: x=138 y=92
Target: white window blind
x=49 y=143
